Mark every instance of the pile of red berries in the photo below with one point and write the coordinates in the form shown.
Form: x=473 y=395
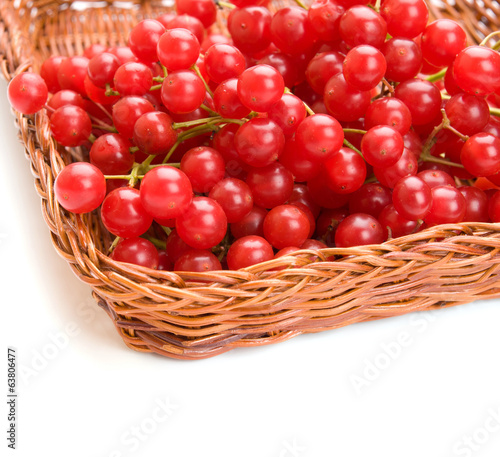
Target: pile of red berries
x=342 y=124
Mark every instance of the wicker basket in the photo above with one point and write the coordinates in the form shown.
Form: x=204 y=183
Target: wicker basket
x=193 y=316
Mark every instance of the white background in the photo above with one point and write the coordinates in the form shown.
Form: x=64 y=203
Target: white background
x=426 y=384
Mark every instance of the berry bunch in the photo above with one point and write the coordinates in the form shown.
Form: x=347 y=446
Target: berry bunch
x=342 y=124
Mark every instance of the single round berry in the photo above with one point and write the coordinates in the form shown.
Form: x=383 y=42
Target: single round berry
x=412 y=198
x=27 y=93
x=357 y=230
x=153 y=133
x=286 y=225
x=70 y=125
x=247 y=251
x=364 y=67
x=137 y=251
x=178 y=49
x=198 y=260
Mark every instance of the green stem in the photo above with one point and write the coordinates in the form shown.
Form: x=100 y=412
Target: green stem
x=157 y=87
x=208 y=110
x=183 y=125
x=351 y=146
x=113 y=245
x=388 y=85
x=197 y=71
x=158 y=243
x=110 y=92
x=377 y=5
x=107 y=128
x=127 y=177
x=302 y=5
x=158 y=79
x=491 y=35
x=133 y=149
x=437 y=76
x=225 y=5
x=362 y=132
x=495 y=111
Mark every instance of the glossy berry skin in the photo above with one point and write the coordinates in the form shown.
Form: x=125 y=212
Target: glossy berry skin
x=133 y=78
x=357 y=230
x=448 y=206
x=467 y=113
x=204 y=10
x=71 y=74
x=66 y=97
x=344 y=102
x=143 y=39
x=175 y=246
x=223 y=61
x=166 y=192
x=295 y=160
x=123 y=215
x=137 y=251
x=102 y=69
x=476 y=70
x=480 y=154
x=364 y=67
x=494 y=207
x=111 y=154
x=247 y=251
x=370 y=198
x=286 y=225
x=435 y=178
x=362 y=25
x=405 y=18
x=322 y=67
x=319 y=136
x=251 y=224
x=204 y=166
x=394 y=224
x=388 y=111
x=324 y=17
x=422 y=98
x=178 y=49
x=403 y=57
x=126 y=112
x=27 y=93
x=153 y=133
x=382 y=146
x=48 y=72
x=477 y=204
x=203 y=225
x=198 y=260
x=184 y=21
x=70 y=125
x=405 y=166
x=284 y=64
x=346 y=171
x=182 y=92
x=327 y=224
x=441 y=41
x=260 y=87
x=271 y=185
x=290 y=30
x=412 y=198
x=226 y=100
x=80 y=187
x=250 y=28
x=259 y=142
x=288 y=113
x=234 y=196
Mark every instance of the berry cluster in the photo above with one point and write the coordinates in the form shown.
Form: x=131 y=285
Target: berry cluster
x=343 y=124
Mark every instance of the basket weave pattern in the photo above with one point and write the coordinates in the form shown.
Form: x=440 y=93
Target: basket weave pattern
x=192 y=316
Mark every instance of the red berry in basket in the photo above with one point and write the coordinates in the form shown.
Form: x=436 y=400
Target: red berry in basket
x=394 y=224
x=364 y=67
x=405 y=166
x=234 y=196
x=71 y=74
x=27 y=93
x=357 y=230
x=441 y=41
x=111 y=154
x=48 y=72
x=198 y=260
x=271 y=185
x=102 y=69
x=405 y=18
x=223 y=61
x=182 y=92
x=345 y=171
x=448 y=206
x=248 y=251
x=185 y=21
x=204 y=10
x=226 y=100
x=388 y=111
x=284 y=64
x=80 y=187
x=259 y=142
x=126 y=112
x=286 y=225
x=176 y=247
x=251 y=224
x=480 y=154
x=153 y=133
x=295 y=160
x=344 y=102
x=123 y=53
x=166 y=192
x=178 y=49
x=422 y=98
x=477 y=204
x=467 y=113
x=137 y=251
x=382 y=146
x=204 y=166
x=203 y=225
x=319 y=136
x=93 y=50
x=435 y=178
x=260 y=87
x=98 y=95
x=370 y=198
x=477 y=70
x=322 y=67
x=291 y=31
x=403 y=57
x=133 y=78
x=412 y=198
x=70 y=125
x=322 y=195
x=362 y=25
x=324 y=17
x=250 y=28
x=143 y=39
x=123 y=214
x=66 y=97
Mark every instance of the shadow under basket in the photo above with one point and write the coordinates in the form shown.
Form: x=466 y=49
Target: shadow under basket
x=194 y=316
